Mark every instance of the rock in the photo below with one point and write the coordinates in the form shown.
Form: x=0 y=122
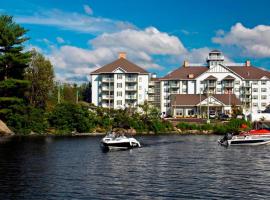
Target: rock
x=4 y=130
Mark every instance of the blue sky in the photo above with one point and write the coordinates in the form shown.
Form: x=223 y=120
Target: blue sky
x=80 y=36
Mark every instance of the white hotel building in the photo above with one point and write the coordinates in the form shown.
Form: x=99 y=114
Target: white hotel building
x=119 y=84
x=187 y=91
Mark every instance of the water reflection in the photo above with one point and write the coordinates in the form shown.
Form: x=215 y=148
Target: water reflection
x=166 y=167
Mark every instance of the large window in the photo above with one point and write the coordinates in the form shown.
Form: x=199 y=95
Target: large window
x=119 y=94
x=119 y=102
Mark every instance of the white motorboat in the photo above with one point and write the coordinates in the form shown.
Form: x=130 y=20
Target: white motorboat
x=253 y=137
x=112 y=141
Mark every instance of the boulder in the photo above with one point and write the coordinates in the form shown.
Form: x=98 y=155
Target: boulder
x=4 y=130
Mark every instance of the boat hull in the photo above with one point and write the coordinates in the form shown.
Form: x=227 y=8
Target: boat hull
x=120 y=145
x=249 y=140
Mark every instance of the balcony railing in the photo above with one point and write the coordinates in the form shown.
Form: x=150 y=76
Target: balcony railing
x=107 y=79
x=151 y=91
x=131 y=79
x=131 y=97
x=131 y=88
x=151 y=98
x=211 y=85
x=107 y=96
x=228 y=85
x=104 y=88
x=174 y=85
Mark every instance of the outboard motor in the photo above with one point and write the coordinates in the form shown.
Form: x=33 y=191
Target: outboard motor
x=224 y=141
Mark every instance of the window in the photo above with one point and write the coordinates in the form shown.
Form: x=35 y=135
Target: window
x=236 y=89
x=119 y=102
x=255 y=97
x=184 y=90
x=264 y=97
x=119 y=76
x=202 y=82
x=255 y=82
x=263 y=82
x=237 y=82
x=255 y=89
x=218 y=82
x=255 y=104
x=263 y=104
x=140 y=87
x=166 y=89
x=140 y=79
x=166 y=83
x=218 y=89
x=263 y=90
x=166 y=97
x=119 y=85
x=119 y=94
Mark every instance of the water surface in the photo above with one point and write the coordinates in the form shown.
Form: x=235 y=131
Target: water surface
x=167 y=167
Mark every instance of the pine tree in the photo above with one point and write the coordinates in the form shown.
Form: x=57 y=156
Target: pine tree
x=13 y=61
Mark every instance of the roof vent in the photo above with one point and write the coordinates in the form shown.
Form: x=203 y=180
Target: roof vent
x=122 y=55
x=191 y=76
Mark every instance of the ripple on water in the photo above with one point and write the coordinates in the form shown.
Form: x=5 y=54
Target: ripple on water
x=167 y=167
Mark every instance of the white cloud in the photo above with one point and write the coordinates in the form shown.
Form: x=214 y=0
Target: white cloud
x=74 y=21
x=60 y=40
x=253 y=42
x=88 y=10
x=150 y=41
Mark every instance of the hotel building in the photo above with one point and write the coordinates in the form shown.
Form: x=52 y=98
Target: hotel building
x=189 y=91
x=119 y=84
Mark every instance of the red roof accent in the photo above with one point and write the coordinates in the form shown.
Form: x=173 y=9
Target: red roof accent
x=183 y=73
x=194 y=99
x=211 y=78
x=249 y=72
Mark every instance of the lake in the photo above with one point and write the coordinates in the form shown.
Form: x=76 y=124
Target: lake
x=166 y=167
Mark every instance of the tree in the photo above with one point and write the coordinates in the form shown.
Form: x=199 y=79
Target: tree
x=13 y=61
x=40 y=74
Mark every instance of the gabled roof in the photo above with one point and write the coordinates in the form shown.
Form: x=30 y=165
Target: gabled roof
x=195 y=99
x=211 y=78
x=185 y=72
x=249 y=72
x=229 y=77
x=121 y=63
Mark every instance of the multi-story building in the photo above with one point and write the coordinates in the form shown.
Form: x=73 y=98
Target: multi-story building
x=119 y=84
x=193 y=88
x=154 y=91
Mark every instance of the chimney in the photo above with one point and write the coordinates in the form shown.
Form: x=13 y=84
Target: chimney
x=248 y=63
x=185 y=63
x=122 y=55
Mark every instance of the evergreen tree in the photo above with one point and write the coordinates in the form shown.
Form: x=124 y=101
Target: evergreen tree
x=13 y=61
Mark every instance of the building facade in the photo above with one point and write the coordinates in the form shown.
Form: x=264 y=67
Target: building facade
x=189 y=91
x=119 y=84
x=239 y=83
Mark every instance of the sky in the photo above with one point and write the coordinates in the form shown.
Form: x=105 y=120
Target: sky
x=158 y=35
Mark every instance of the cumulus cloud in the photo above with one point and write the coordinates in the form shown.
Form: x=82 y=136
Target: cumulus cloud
x=88 y=10
x=253 y=42
x=149 y=40
x=74 y=21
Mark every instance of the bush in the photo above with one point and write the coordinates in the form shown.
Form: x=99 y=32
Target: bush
x=24 y=119
x=71 y=117
x=187 y=126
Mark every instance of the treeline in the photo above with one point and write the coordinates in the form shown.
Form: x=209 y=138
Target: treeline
x=30 y=100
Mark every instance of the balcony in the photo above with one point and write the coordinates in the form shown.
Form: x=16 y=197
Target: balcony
x=151 y=99
x=151 y=83
x=129 y=79
x=106 y=88
x=211 y=85
x=228 y=85
x=106 y=105
x=151 y=91
x=106 y=80
x=131 y=97
x=131 y=88
x=107 y=96
x=174 y=85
